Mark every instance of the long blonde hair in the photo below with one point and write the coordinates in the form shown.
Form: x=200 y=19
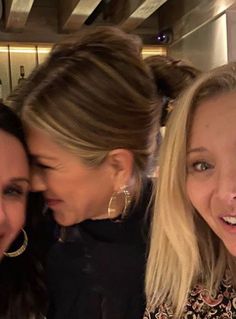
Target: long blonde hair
x=183 y=249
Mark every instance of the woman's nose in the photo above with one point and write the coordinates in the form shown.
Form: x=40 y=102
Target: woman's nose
x=226 y=185
x=37 y=181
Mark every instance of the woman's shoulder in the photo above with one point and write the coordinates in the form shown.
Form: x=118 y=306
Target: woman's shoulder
x=201 y=304
x=221 y=305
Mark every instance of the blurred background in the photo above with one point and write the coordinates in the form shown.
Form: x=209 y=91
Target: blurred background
x=202 y=32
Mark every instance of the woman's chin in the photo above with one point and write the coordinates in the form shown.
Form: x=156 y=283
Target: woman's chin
x=64 y=220
x=231 y=247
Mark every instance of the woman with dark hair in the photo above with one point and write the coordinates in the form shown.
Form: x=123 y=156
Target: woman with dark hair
x=22 y=292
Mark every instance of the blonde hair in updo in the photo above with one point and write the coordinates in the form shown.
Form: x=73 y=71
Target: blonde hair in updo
x=94 y=94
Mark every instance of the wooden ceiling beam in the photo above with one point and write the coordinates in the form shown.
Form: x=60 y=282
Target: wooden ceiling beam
x=16 y=13
x=133 y=12
x=73 y=13
x=200 y=15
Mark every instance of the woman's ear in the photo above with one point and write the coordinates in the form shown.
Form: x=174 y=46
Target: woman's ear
x=121 y=163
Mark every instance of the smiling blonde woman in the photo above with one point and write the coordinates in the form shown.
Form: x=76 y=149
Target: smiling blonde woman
x=192 y=260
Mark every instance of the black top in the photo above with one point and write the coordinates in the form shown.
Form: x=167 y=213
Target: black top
x=98 y=271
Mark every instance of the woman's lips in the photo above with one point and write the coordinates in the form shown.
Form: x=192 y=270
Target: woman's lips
x=51 y=202
x=228 y=222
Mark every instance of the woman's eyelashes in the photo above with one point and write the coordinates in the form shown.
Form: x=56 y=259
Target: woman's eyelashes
x=42 y=166
x=37 y=164
x=15 y=191
x=199 y=166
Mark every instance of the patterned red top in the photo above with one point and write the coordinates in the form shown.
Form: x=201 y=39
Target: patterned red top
x=201 y=305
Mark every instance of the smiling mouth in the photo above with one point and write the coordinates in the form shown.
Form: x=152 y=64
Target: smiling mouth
x=229 y=220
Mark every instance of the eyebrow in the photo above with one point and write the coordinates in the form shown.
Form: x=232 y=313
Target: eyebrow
x=20 y=179
x=196 y=150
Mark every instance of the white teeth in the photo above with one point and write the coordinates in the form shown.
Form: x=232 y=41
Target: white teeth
x=230 y=219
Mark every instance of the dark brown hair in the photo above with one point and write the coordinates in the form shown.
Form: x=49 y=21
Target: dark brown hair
x=22 y=291
x=171 y=77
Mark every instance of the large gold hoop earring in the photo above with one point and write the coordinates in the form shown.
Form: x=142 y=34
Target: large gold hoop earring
x=112 y=213
x=20 y=250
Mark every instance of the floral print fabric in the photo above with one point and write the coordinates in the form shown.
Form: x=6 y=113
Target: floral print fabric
x=201 y=305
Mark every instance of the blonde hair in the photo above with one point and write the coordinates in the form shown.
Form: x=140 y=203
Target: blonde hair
x=183 y=249
x=94 y=94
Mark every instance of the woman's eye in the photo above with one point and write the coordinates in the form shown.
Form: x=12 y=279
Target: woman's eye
x=42 y=166
x=14 y=191
x=201 y=166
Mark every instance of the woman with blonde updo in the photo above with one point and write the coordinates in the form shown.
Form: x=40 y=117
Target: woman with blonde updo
x=91 y=121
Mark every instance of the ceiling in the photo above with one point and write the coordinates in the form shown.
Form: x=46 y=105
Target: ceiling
x=47 y=21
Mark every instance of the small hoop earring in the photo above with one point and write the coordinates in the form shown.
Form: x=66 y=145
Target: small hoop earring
x=127 y=200
x=20 y=250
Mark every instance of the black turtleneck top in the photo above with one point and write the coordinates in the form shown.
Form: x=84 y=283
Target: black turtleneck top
x=97 y=271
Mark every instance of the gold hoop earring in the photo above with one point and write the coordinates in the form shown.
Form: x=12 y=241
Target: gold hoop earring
x=114 y=197
x=20 y=250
